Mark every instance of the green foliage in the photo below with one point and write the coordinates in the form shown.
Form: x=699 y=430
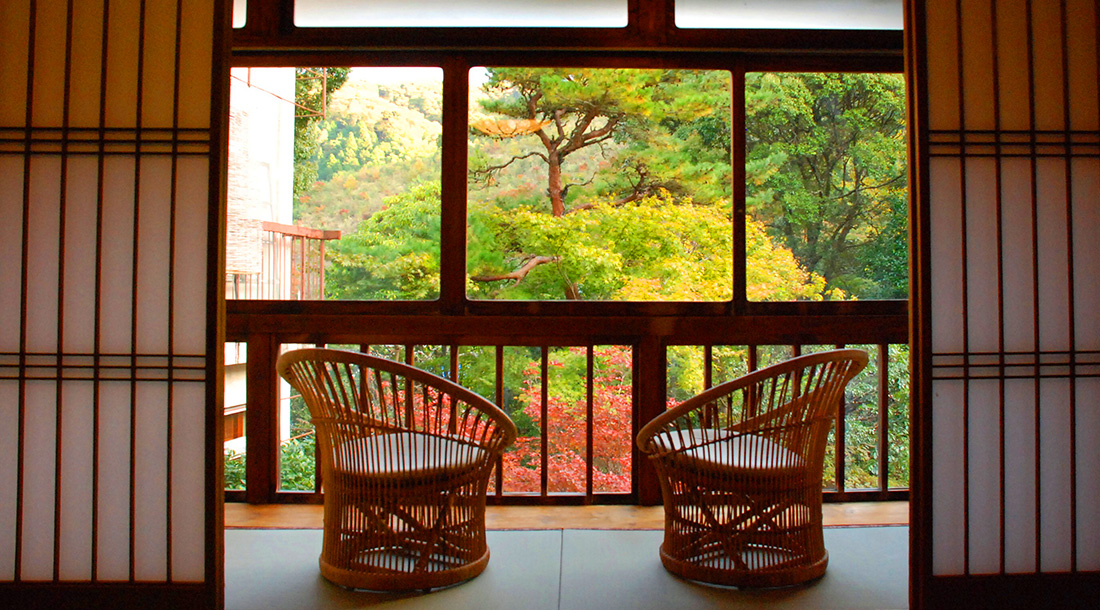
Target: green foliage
x=826 y=173
x=310 y=93
x=655 y=130
x=394 y=255
x=656 y=248
x=861 y=424
x=376 y=141
x=296 y=464
x=234 y=470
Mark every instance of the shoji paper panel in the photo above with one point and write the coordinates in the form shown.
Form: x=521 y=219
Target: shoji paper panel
x=1013 y=140
x=106 y=141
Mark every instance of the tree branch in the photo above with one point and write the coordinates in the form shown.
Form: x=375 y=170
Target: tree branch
x=518 y=274
x=868 y=187
x=492 y=169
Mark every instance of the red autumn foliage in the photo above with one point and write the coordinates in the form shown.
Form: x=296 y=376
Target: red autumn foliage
x=566 y=431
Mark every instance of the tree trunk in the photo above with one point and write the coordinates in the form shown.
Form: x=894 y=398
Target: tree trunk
x=553 y=185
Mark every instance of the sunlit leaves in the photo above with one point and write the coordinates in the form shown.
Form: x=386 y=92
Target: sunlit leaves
x=395 y=253
x=826 y=173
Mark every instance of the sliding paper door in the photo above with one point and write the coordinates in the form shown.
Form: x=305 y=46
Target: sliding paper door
x=109 y=160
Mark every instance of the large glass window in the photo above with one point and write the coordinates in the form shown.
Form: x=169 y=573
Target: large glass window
x=825 y=186
x=599 y=184
x=593 y=184
x=460 y=13
x=791 y=14
x=334 y=183
x=570 y=202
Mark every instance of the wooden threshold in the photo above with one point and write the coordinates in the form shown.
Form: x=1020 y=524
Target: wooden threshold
x=288 y=516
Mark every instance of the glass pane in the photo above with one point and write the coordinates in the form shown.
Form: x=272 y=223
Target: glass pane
x=898 y=414
x=825 y=189
x=791 y=14
x=235 y=383
x=599 y=184
x=240 y=13
x=612 y=409
x=297 y=449
x=567 y=420
x=767 y=355
x=522 y=400
x=728 y=362
x=683 y=374
x=861 y=429
x=297 y=436
x=334 y=183
x=460 y=13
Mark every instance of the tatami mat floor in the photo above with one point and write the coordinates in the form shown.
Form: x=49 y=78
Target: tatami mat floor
x=567 y=569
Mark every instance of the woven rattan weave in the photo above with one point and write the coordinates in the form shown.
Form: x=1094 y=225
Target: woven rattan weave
x=740 y=468
x=405 y=461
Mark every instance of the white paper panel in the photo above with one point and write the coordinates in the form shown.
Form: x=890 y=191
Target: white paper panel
x=984 y=486
x=42 y=278
x=87 y=62
x=11 y=248
x=9 y=440
x=799 y=14
x=977 y=48
x=154 y=247
x=1013 y=84
x=188 y=485
x=150 y=514
x=159 y=67
x=948 y=533
x=1088 y=473
x=1084 y=113
x=39 y=475
x=943 y=65
x=49 y=65
x=240 y=13
x=981 y=255
x=1086 y=253
x=946 y=220
x=13 y=63
x=460 y=13
x=1017 y=251
x=80 y=248
x=96 y=459
x=75 y=562
x=196 y=58
x=1054 y=475
x=1053 y=269
x=1047 y=44
x=1020 y=475
x=122 y=63
x=117 y=258
x=113 y=524
x=189 y=290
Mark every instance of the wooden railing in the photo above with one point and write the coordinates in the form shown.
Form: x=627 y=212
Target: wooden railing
x=292 y=266
x=267 y=329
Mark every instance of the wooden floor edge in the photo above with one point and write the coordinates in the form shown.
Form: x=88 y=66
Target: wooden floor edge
x=504 y=518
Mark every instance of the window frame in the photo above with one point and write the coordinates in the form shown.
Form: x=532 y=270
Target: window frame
x=269 y=39
x=456 y=65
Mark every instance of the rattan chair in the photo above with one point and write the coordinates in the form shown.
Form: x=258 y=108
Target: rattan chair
x=405 y=461
x=740 y=471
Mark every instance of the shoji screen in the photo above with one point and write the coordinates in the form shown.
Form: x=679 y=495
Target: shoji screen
x=1011 y=189
x=107 y=316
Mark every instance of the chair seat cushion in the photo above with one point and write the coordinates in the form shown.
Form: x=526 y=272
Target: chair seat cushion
x=407 y=455
x=721 y=449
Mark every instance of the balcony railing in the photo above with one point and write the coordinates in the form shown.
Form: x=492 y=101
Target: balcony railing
x=579 y=405
x=291 y=269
